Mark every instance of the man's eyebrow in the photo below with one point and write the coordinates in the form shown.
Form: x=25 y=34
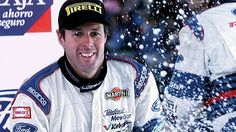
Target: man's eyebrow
x=96 y=28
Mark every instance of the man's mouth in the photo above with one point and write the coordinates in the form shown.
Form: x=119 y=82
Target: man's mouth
x=87 y=55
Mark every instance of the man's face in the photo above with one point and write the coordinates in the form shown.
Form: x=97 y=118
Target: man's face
x=84 y=47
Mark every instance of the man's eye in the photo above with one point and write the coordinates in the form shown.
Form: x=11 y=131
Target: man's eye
x=78 y=34
x=94 y=34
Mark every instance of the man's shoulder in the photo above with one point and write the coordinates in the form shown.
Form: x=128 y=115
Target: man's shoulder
x=195 y=26
x=141 y=71
x=43 y=73
x=32 y=88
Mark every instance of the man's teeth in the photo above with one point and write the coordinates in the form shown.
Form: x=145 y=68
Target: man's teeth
x=87 y=54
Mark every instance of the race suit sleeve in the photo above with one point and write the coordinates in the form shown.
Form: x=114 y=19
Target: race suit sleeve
x=184 y=96
x=220 y=110
x=25 y=114
x=30 y=108
x=189 y=102
x=148 y=109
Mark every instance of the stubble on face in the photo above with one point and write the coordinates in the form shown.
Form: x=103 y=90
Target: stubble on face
x=85 y=49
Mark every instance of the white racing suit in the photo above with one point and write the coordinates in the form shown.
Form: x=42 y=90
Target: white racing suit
x=125 y=98
x=207 y=51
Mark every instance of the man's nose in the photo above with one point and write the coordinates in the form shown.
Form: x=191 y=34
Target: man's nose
x=88 y=40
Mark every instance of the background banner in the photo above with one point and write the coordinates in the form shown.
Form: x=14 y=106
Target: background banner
x=28 y=42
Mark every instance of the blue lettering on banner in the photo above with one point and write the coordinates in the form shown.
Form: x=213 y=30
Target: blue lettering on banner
x=6 y=97
x=17 y=16
x=24 y=127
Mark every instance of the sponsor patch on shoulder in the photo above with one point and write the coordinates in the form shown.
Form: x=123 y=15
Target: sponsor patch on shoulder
x=24 y=127
x=22 y=112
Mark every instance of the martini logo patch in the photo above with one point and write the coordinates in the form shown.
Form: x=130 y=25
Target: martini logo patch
x=116 y=94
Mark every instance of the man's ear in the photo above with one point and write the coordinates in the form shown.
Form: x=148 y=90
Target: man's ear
x=60 y=37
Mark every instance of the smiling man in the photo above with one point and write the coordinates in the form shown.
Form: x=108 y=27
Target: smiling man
x=84 y=48
x=86 y=90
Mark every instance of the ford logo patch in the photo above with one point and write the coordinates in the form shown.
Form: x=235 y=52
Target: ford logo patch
x=24 y=127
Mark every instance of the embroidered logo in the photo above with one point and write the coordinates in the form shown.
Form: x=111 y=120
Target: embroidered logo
x=22 y=112
x=84 y=6
x=24 y=127
x=116 y=94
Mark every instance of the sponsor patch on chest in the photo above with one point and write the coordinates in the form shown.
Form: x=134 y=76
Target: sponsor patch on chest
x=117 y=120
x=117 y=93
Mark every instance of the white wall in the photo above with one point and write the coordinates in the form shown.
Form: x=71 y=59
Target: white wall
x=22 y=56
